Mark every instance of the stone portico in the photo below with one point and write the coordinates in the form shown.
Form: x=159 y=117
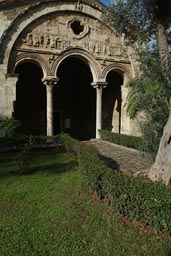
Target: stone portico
x=63 y=69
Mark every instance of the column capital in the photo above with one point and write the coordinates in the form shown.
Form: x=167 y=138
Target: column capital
x=99 y=84
x=50 y=82
x=11 y=75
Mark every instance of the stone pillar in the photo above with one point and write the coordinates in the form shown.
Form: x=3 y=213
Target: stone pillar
x=7 y=94
x=125 y=120
x=50 y=83
x=99 y=90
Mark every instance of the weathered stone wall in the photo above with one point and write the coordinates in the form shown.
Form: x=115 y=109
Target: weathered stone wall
x=7 y=83
x=43 y=32
x=7 y=16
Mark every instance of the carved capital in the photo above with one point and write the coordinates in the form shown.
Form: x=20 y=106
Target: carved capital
x=50 y=82
x=99 y=85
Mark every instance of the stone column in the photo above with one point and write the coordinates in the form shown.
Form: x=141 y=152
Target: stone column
x=8 y=94
x=99 y=90
x=125 y=121
x=50 y=83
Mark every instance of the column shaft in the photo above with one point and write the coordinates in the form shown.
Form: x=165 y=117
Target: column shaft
x=98 y=111
x=50 y=83
x=49 y=114
x=99 y=89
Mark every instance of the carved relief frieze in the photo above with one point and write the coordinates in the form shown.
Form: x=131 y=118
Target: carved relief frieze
x=61 y=32
x=56 y=43
x=79 y=6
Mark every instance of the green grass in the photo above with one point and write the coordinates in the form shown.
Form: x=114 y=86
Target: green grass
x=48 y=213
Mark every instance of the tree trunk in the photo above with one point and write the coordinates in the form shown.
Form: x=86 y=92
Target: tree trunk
x=161 y=170
x=162 y=41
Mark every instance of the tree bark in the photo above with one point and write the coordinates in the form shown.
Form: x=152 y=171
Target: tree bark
x=162 y=41
x=161 y=170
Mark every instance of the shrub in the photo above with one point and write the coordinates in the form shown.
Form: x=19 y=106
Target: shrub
x=8 y=143
x=8 y=126
x=137 y=199
x=19 y=142
x=90 y=166
x=121 y=139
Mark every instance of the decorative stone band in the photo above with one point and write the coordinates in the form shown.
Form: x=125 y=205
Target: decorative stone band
x=99 y=85
x=50 y=82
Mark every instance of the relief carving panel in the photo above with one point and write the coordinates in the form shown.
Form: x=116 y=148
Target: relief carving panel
x=62 y=31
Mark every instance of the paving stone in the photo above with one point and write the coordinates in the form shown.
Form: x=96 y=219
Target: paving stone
x=127 y=160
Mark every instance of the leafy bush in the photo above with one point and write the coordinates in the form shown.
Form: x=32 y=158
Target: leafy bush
x=12 y=143
x=137 y=199
x=8 y=126
x=20 y=142
x=148 y=97
x=121 y=139
x=90 y=166
x=150 y=94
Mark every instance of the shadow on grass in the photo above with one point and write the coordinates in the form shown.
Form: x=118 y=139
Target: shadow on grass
x=52 y=168
x=57 y=168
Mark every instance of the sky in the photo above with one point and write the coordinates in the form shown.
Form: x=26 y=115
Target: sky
x=105 y=1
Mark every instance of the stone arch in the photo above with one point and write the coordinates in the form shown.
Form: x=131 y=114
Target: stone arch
x=34 y=12
x=96 y=52
x=122 y=69
x=74 y=99
x=112 y=101
x=31 y=57
x=125 y=71
x=82 y=55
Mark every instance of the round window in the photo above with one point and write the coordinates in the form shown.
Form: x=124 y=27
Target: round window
x=77 y=27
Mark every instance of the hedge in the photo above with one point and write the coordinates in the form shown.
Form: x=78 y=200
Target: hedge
x=18 y=142
x=137 y=199
x=121 y=139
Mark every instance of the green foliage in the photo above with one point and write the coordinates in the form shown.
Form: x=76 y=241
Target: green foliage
x=47 y=213
x=20 y=142
x=91 y=168
x=9 y=143
x=139 y=200
x=130 y=18
x=8 y=126
x=138 y=19
x=148 y=100
x=121 y=139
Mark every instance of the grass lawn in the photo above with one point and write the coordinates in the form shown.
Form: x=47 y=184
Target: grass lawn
x=48 y=213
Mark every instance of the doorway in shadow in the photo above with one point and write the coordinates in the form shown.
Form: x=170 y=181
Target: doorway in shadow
x=30 y=105
x=75 y=99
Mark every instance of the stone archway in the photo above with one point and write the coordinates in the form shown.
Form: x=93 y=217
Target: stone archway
x=30 y=104
x=112 y=102
x=75 y=99
x=51 y=32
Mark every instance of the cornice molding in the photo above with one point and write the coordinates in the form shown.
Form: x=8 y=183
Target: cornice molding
x=9 y=4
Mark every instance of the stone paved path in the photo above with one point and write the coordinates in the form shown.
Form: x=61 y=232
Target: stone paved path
x=122 y=158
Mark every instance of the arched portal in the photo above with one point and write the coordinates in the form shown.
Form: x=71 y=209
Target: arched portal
x=30 y=105
x=112 y=101
x=75 y=100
